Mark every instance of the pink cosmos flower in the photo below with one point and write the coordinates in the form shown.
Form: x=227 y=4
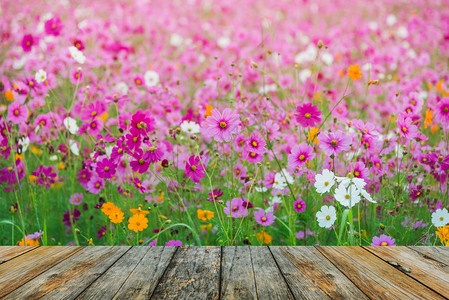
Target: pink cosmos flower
x=221 y=126
x=359 y=170
x=300 y=155
x=299 y=206
x=442 y=111
x=173 y=243
x=308 y=115
x=93 y=110
x=133 y=142
x=236 y=208
x=406 y=128
x=141 y=124
x=155 y=154
x=95 y=185
x=253 y=157
x=383 y=240
x=333 y=143
x=76 y=199
x=106 y=168
x=262 y=218
x=17 y=113
x=76 y=77
x=256 y=143
x=45 y=176
x=141 y=162
x=194 y=169
x=95 y=126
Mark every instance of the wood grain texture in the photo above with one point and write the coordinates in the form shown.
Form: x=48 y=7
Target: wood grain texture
x=69 y=278
x=237 y=274
x=10 y=252
x=269 y=280
x=193 y=273
x=431 y=273
x=16 y=272
x=108 y=284
x=143 y=280
x=374 y=276
x=438 y=253
x=311 y=276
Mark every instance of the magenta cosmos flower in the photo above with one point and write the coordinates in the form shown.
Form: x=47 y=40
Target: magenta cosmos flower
x=264 y=219
x=236 y=208
x=308 y=115
x=17 y=113
x=300 y=155
x=406 y=128
x=173 y=243
x=53 y=26
x=141 y=162
x=27 y=42
x=383 y=240
x=333 y=143
x=194 y=169
x=221 y=126
x=106 y=168
x=253 y=157
x=141 y=124
x=299 y=205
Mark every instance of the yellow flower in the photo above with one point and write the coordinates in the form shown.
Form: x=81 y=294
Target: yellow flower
x=312 y=136
x=138 y=222
x=139 y=211
x=354 y=72
x=264 y=237
x=443 y=234
x=207 y=227
x=9 y=95
x=208 y=111
x=36 y=150
x=205 y=215
x=108 y=208
x=429 y=118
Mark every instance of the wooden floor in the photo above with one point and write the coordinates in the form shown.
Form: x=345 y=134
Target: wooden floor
x=224 y=272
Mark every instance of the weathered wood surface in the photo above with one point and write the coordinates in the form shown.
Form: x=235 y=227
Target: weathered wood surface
x=240 y=272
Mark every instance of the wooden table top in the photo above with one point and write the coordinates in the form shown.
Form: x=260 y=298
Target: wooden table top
x=242 y=272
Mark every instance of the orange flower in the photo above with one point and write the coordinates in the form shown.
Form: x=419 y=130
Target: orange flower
x=29 y=242
x=138 y=222
x=312 y=136
x=205 y=215
x=264 y=237
x=354 y=72
x=9 y=95
x=209 y=110
x=116 y=216
x=139 y=211
x=429 y=118
x=108 y=208
x=443 y=234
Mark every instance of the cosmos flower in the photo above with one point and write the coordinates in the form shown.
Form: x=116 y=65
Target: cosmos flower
x=354 y=72
x=263 y=218
x=326 y=216
x=383 y=240
x=308 y=115
x=324 y=181
x=222 y=126
x=236 y=208
x=406 y=128
x=137 y=222
x=173 y=243
x=256 y=144
x=27 y=42
x=300 y=155
x=347 y=196
x=53 y=26
x=151 y=78
x=17 y=113
x=333 y=143
x=190 y=127
x=106 y=168
x=76 y=199
x=442 y=112
x=299 y=206
x=440 y=217
x=40 y=76
x=194 y=169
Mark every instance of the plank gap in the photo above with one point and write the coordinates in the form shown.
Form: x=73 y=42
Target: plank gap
x=165 y=271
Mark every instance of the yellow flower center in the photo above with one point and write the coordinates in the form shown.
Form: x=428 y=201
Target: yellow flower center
x=135 y=139
x=16 y=112
x=441 y=218
x=334 y=143
x=193 y=168
x=347 y=196
x=307 y=116
x=152 y=149
x=298 y=206
x=356 y=173
x=254 y=143
x=326 y=183
x=404 y=129
x=328 y=218
x=223 y=124
x=302 y=157
x=264 y=219
x=384 y=244
x=141 y=161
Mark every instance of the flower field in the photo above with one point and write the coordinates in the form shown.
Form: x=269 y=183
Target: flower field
x=203 y=122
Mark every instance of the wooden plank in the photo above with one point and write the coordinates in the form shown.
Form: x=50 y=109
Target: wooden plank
x=142 y=282
x=311 y=276
x=10 y=252
x=375 y=277
x=431 y=273
x=438 y=253
x=17 y=272
x=237 y=274
x=107 y=285
x=69 y=278
x=269 y=280
x=194 y=273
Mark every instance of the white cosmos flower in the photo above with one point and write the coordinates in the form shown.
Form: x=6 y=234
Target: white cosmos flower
x=307 y=55
x=326 y=216
x=74 y=148
x=440 y=217
x=40 y=76
x=367 y=196
x=190 y=127
x=24 y=142
x=324 y=181
x=70 y=125
x=223 y=42
x=77 y=55
x=347 y=196
x=151 y=78
x=53 y=157
x=176 y=40
x=279 y=182
x=108 y=150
